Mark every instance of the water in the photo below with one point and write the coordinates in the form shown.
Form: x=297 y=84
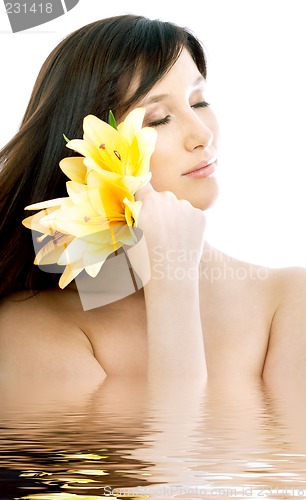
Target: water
x=125 y=439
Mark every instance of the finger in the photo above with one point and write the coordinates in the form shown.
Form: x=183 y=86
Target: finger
x=141 y=193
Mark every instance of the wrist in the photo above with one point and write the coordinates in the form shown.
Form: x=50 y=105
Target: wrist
x=170 y=286
x=171 y=273
x=174 y=265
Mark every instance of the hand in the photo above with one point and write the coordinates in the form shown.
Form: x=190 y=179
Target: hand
x=174 y=229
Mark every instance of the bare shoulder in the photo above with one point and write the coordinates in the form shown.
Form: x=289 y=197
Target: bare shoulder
x=280 y=292
x=236 y=280
x=40 y=336
x=286 y=357
x=237 y=306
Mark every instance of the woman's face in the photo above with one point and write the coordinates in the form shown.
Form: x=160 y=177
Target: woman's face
x=187 y=135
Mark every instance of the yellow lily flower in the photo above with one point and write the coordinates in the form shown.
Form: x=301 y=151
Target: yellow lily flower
x=97 y=216
x=125 y=151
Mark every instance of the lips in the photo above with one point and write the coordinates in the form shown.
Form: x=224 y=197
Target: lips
x=202 y=169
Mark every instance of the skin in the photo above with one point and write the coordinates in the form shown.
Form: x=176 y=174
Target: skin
x=226 y=320
x=191 y=136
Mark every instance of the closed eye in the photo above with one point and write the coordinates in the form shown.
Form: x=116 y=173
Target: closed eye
x=166 y=119
x=202 y=104
x=162 y=121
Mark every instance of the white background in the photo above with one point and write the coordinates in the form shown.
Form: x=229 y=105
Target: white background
x=256 y=53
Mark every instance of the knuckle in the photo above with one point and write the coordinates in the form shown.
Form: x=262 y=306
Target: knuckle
x=169 y=195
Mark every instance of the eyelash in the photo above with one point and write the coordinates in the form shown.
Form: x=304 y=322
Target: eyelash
x=202 y=104
x=164 y=121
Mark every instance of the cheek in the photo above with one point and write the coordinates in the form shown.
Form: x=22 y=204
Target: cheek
x=162 y=166
x=214 y=127
x=160 y=173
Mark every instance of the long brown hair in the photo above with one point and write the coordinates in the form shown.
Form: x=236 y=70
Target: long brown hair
x=89 y=72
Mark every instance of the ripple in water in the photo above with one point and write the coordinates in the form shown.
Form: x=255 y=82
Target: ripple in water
x=129 y=440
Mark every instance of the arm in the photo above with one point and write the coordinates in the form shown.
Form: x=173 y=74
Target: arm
x=175 y=339
x=286 y=357
x=174 y=232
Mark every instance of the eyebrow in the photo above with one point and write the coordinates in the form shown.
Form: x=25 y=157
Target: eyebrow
x=161 y=97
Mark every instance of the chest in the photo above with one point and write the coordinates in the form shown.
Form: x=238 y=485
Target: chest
x=235 y=336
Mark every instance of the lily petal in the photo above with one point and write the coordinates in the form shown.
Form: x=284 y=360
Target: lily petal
x=51 y=252
x=46 y=204
x=69 y=274
x=74 y=168
x=132 y=124
x=132 y=210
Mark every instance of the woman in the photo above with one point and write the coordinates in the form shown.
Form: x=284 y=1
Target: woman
x=217 y=317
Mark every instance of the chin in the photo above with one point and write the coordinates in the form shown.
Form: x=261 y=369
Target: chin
x=200 y=195
x=203 y=204
x=205 y=197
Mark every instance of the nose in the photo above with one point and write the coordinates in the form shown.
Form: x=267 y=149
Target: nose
x=197 y=132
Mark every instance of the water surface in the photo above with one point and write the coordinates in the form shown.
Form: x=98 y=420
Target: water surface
x=126 y=439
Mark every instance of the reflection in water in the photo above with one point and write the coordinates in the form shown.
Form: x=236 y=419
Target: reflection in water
x=125 y=439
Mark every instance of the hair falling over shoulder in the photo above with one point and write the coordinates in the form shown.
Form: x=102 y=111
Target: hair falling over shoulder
x=89 y=72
